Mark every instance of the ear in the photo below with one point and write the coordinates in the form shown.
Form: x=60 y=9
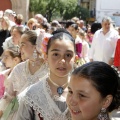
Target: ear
x=107 y=101
x=46 y=57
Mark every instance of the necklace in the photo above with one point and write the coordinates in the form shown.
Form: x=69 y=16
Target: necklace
x=35 y=62
x=60 y=89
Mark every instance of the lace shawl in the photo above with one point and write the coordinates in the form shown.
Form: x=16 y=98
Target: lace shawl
x=21 y=77
x=39 y=98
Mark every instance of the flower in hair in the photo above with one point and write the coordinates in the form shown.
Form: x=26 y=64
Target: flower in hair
x=44 y=44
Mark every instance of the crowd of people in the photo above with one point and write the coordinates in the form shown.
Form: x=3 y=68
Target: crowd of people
x=58 y=70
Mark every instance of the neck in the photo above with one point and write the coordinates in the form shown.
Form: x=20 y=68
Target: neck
x=59 y=80
x=105 y=31
x=36 y=62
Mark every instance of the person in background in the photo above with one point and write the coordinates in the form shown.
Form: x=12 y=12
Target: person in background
x=81 y=24
x=1 y=15
x=68 y=25
x=14 y=39
x=39 y=18
x=93 y=92
x=32 y=23
x=11 y=16
x=104 y=43
x=85 y=46
x=4 y=32
x=19 y=19
x=10 y=59
x=24 y=74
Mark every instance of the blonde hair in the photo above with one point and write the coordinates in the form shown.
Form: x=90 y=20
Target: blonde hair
x=7 y=23
x=31 y=21
x=82 y=34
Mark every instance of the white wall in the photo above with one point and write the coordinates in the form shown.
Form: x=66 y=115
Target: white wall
x=108 y=8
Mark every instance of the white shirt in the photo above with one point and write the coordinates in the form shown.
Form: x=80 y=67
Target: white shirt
x=103 y=46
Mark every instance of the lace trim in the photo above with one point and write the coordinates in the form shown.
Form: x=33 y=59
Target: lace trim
x=25 y=79
x=35 y=100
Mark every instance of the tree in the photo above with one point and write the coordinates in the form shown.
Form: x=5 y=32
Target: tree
x=65 y=9
x=80 y=12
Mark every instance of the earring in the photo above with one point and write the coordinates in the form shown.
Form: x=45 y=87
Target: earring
x=103 y=115
x=35 y=54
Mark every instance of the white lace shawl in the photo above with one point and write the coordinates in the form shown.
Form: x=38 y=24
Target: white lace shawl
x=21 y=77
x=39 y=98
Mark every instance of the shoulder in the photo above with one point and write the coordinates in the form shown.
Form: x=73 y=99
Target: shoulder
x=37 y=86
x=20 y=65
x=19 y=68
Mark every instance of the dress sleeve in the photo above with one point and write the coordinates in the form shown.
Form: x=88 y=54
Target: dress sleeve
x=25 y=112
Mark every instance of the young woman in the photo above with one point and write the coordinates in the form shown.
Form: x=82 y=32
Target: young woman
x=25 y=73
x=10 y=59
x=93 y=92
x=47 y=98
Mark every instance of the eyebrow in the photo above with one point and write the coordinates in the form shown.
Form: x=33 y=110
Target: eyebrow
x=59 y=50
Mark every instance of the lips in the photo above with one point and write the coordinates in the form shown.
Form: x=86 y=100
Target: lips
x=75 y=112
x=61 y=69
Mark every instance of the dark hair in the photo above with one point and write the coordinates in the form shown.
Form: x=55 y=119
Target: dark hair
x=75 y=26
x=69 y=23
x=45 y=26
x=19 y=19
x=32 y=36
x=95 y=27
x=60 y=34
x=104 y=78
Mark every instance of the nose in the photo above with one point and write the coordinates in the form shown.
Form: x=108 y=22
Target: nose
x=62 y=61
x=72 y=101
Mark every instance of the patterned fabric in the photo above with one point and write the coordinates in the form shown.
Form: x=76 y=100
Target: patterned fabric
x=39 y=97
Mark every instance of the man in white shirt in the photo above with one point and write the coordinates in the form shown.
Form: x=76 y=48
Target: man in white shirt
x=104 y=43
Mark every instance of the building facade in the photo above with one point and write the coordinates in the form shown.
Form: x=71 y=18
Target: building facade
x=19 y=6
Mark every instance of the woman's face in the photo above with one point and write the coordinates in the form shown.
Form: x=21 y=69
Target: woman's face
x=83 y=100
x=16 y=36
x=4 y=24
x=7 y=59
x=26 y=48
x=60 y=57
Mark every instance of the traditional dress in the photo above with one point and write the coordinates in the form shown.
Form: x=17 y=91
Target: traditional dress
x=20 y=78
x=38 y=103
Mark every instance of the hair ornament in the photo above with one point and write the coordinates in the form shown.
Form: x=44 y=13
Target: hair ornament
x=45 y=43
x=116 y=69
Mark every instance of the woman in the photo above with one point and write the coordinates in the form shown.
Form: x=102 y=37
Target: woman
x=93 y=92
x=4 y=32
x=10 y=59
x=14 y=40
x=46 y=100
x=25 y=73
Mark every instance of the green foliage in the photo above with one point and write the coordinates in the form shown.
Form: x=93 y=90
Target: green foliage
x=64 y=9
x=79 y=12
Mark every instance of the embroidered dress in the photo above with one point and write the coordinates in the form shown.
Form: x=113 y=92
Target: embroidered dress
x=20 y=78
x=39 y=104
